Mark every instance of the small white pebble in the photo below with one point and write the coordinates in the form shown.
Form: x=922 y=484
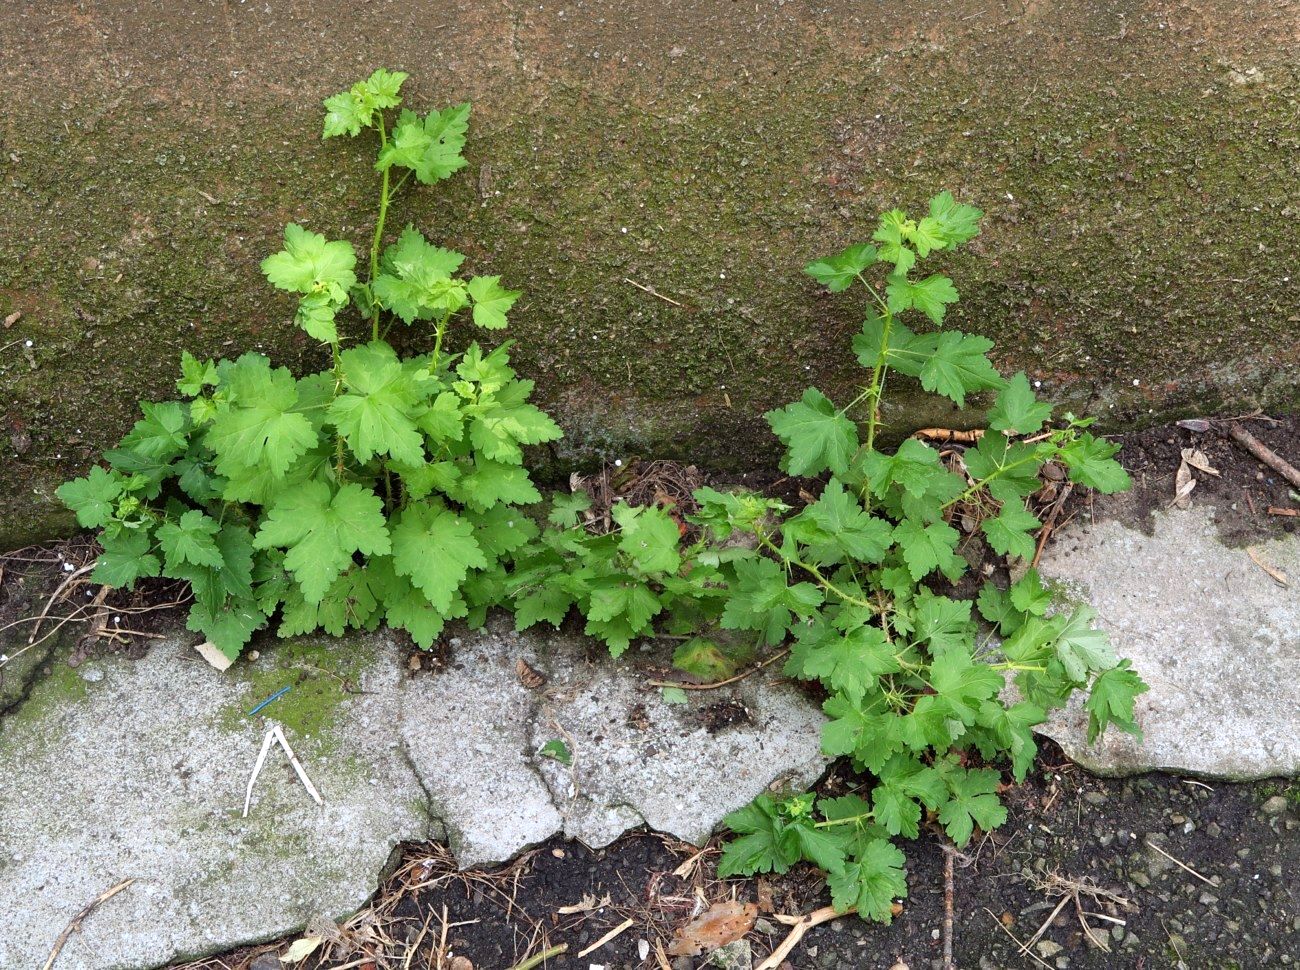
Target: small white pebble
x=1038 y=383
x=722 y=276
x=117 y=619
x=27 y=343
x=1136 y=382
x=623 y=230
x=67 y=567
x=4 y=658
x=618 y=462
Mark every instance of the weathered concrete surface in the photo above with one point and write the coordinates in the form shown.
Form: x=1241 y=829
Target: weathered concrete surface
x=1214 y=636
x=1137 y=161
x=137 y=769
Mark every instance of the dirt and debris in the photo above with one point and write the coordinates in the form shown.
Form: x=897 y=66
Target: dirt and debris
x=1250 y=500
x=1088 y=872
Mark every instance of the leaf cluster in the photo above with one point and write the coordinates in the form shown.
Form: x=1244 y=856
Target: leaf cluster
x=390 y=489
x=382 y=489
x=915 y=681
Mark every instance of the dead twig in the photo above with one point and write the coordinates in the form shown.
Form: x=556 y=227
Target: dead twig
x=948 y=893
x=1265 y=454
x=799 y=926
x=70 y=580
x=949 y=434
x=75 y=925
x=1046 y=531
x=721 y=683
x=1274 y=510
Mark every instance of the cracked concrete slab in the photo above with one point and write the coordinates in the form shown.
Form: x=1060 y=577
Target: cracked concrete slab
x=1214 y=635
x=128 y=769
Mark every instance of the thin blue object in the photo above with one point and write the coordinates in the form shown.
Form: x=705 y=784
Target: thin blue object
x=279 y=693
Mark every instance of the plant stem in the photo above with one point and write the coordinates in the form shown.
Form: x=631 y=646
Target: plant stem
x=815 y=572
x=437 y=343
x=379 y=230
x=998 y=473
x=878 y=381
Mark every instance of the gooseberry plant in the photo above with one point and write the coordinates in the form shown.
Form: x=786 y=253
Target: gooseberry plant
x=916 y=697
x=391 y=489
x=379 y=489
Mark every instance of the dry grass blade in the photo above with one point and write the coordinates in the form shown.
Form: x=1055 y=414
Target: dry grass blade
x=621 y=928
x=75 y=925
x=1180 y=864
x=1024 y=947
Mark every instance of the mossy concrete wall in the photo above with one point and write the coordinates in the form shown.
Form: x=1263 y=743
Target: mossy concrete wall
x=1138 y=161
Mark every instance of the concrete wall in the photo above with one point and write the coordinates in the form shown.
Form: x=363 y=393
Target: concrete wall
x=1138 y=161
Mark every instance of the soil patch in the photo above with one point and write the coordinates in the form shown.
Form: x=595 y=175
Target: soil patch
x=1064 y=823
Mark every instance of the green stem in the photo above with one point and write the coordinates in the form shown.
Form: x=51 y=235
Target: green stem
x=379 y=230
x=539 y=959
x=1001 y=470
x=437 y=343
x=338 y=436
x=815 y=572
x=847 y=820
x=878 y=381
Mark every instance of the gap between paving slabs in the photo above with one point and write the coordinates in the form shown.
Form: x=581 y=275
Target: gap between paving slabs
x=139 y=769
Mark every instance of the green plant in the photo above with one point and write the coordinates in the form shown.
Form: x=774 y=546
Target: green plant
x=381 y=488
x=387 y=489
x=915 y=695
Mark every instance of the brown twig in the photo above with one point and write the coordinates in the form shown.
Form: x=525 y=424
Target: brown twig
x=798 y=927
x=721 y=683
x=948 y=852
x=1046 y=531
x=1274 y=510
x=70 y=580
x=949 y=434
x=1265 y=454
x=75 y=925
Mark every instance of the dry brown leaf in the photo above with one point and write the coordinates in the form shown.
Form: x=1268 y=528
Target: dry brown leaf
x=13 y=318
x=722 y=923
x=1184 y=482
x=1277 y=575
x=209 y=652
x=301 y=949
x=529 y=676
x=1196 y=458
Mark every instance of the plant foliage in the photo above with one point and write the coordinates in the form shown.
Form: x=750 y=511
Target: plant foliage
x=380 y=489
x=389 y=489
x=915 y=696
